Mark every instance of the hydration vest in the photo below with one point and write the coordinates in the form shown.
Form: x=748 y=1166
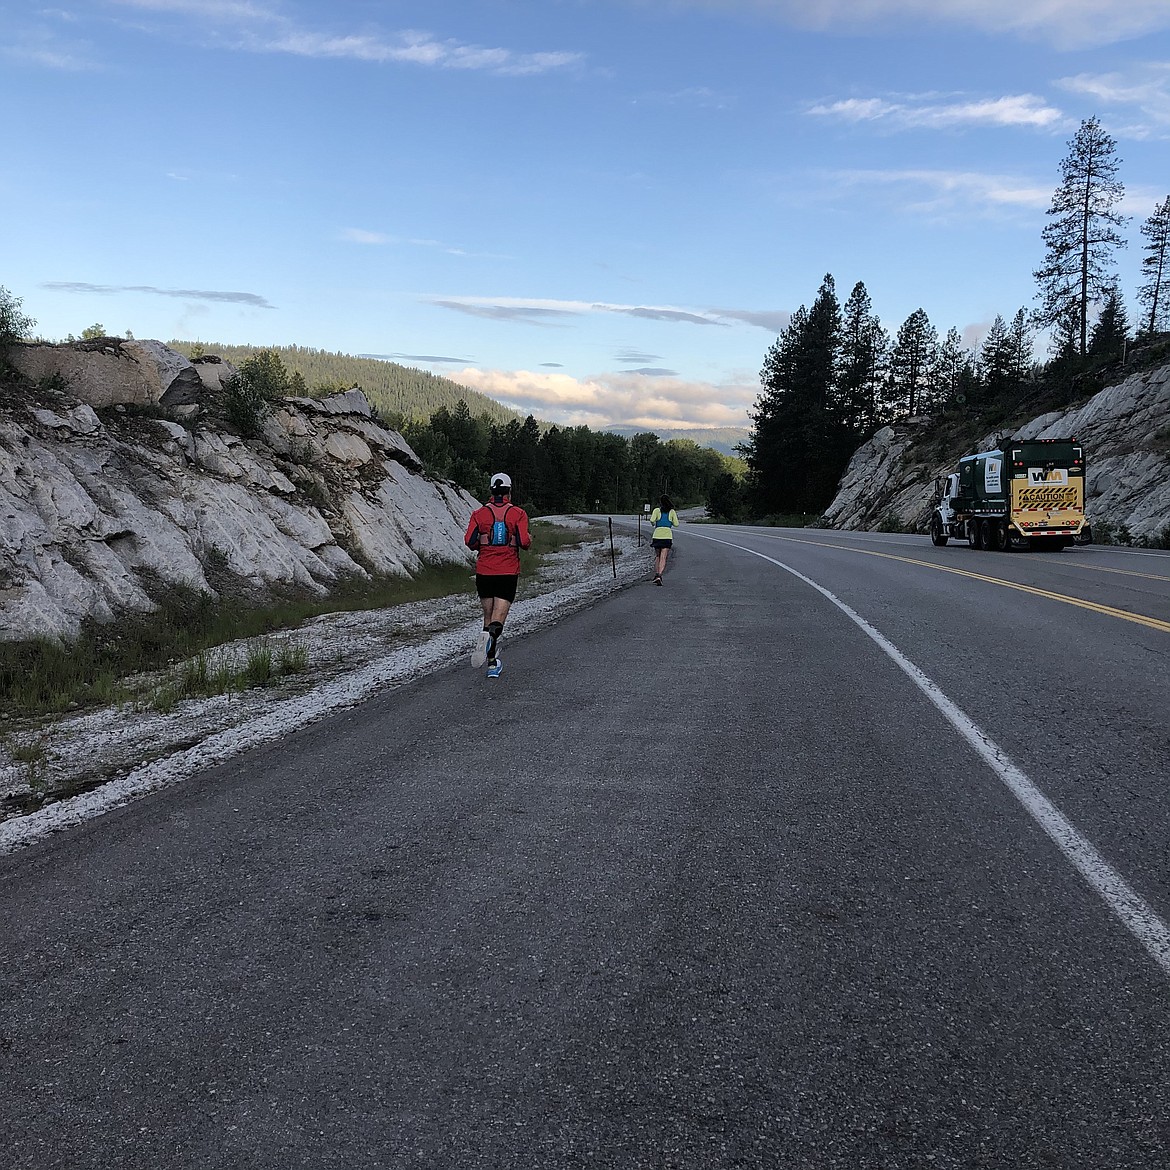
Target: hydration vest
x=498 y=535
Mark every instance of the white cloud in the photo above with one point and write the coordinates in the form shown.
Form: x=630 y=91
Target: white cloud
x=42 y=47
x=381 y=239
x=412 y=48
x=1067 y=24
x=264 y=28
x=699 y=97
x=1146 y=87
x=205 y=9
x=925 y=112
x=532 y=310
x=361 y=236
x=622 y=398
x=937 y=190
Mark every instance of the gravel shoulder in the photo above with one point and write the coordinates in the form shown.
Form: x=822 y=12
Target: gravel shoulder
x=115 y=755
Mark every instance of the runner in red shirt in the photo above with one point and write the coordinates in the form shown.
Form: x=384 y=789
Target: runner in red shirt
x=496 y=532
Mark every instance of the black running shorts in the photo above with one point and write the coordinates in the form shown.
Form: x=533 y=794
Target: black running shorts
x=661 y=543
x=496 y=585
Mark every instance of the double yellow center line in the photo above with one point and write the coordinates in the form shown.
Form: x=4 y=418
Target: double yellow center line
x=1107 y=610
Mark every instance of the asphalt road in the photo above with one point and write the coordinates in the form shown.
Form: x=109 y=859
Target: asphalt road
x=707 y=879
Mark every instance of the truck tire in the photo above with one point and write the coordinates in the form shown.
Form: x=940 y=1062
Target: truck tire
x=937 y=536
x=974 y=533
x=996 y=535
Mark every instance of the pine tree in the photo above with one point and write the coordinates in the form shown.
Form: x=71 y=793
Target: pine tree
x=864 y=344
x=773 y=442
x=798 y=445
x=1111 y=329
x=953 y=366
x=1020 y=347
x=910 y=385
x=996 y=363
x=1155 y=290
x=265 y=374
x=1082 y=233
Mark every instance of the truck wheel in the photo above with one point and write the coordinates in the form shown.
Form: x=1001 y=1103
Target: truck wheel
x=996 y=535
x=937 y=536
x=974 y=533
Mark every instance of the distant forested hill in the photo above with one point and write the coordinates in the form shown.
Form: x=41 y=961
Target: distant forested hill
x=722 y=439
x=390 y=387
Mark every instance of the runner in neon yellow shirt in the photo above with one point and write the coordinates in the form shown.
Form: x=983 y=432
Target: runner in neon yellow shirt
x=663 y=520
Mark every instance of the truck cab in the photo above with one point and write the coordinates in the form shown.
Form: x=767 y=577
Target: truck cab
x=948 y=492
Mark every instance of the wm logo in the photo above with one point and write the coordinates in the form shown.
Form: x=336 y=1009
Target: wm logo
x=1039 y=475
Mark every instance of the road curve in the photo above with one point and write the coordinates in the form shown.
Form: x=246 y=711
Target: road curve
x=708 y=879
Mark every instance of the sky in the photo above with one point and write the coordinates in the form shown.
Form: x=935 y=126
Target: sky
x=597 y=211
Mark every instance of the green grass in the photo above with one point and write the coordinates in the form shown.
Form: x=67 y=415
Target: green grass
x=788 y=520
x=49 y=676
x=212 y=672
x=34 y=756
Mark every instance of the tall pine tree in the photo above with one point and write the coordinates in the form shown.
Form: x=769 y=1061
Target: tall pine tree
x=1020 y=347
x=1082 y=233
x=913 y=360
x=1155 y=289
x=798 y=445
x=954 y=369
x=864 y=344
x=996 y=364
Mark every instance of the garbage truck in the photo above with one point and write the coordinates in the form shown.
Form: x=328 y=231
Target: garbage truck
x=1024 y=494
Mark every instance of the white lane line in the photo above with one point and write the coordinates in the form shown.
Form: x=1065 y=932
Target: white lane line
x=1135 y=913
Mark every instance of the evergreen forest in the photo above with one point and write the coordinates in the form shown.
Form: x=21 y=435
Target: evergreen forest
x=554 y=469
x=836 y=375
x=392 y=388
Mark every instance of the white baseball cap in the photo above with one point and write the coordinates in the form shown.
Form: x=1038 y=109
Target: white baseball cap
x=501 y=480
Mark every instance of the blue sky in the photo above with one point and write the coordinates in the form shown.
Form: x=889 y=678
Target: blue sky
x=601 y=211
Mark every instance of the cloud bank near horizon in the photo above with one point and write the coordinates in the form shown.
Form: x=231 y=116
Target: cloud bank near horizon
x=625 y=398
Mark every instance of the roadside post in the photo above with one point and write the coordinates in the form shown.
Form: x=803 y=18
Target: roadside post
x=612 y=554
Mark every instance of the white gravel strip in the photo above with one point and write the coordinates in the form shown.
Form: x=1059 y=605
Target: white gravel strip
x=143 y=751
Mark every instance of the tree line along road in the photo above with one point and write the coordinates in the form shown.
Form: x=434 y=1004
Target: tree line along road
x=839 y=850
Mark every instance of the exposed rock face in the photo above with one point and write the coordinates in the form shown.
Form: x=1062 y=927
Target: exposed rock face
x=100 y=507
x=1125 y=430
x=110 y=371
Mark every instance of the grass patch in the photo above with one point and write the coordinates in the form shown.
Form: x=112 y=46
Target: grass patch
x=33 y=757
x=789 y=520
x=549 y=538
x=212 y=672
x=890 y=523
x=50 y=676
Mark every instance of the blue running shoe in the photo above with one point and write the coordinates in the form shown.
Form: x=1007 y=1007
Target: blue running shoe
x=495 y=668
x=480 y=654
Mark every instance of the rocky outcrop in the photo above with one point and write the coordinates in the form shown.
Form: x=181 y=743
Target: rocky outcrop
x=1125 y=430
x=107 y=497
x=112 y=372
